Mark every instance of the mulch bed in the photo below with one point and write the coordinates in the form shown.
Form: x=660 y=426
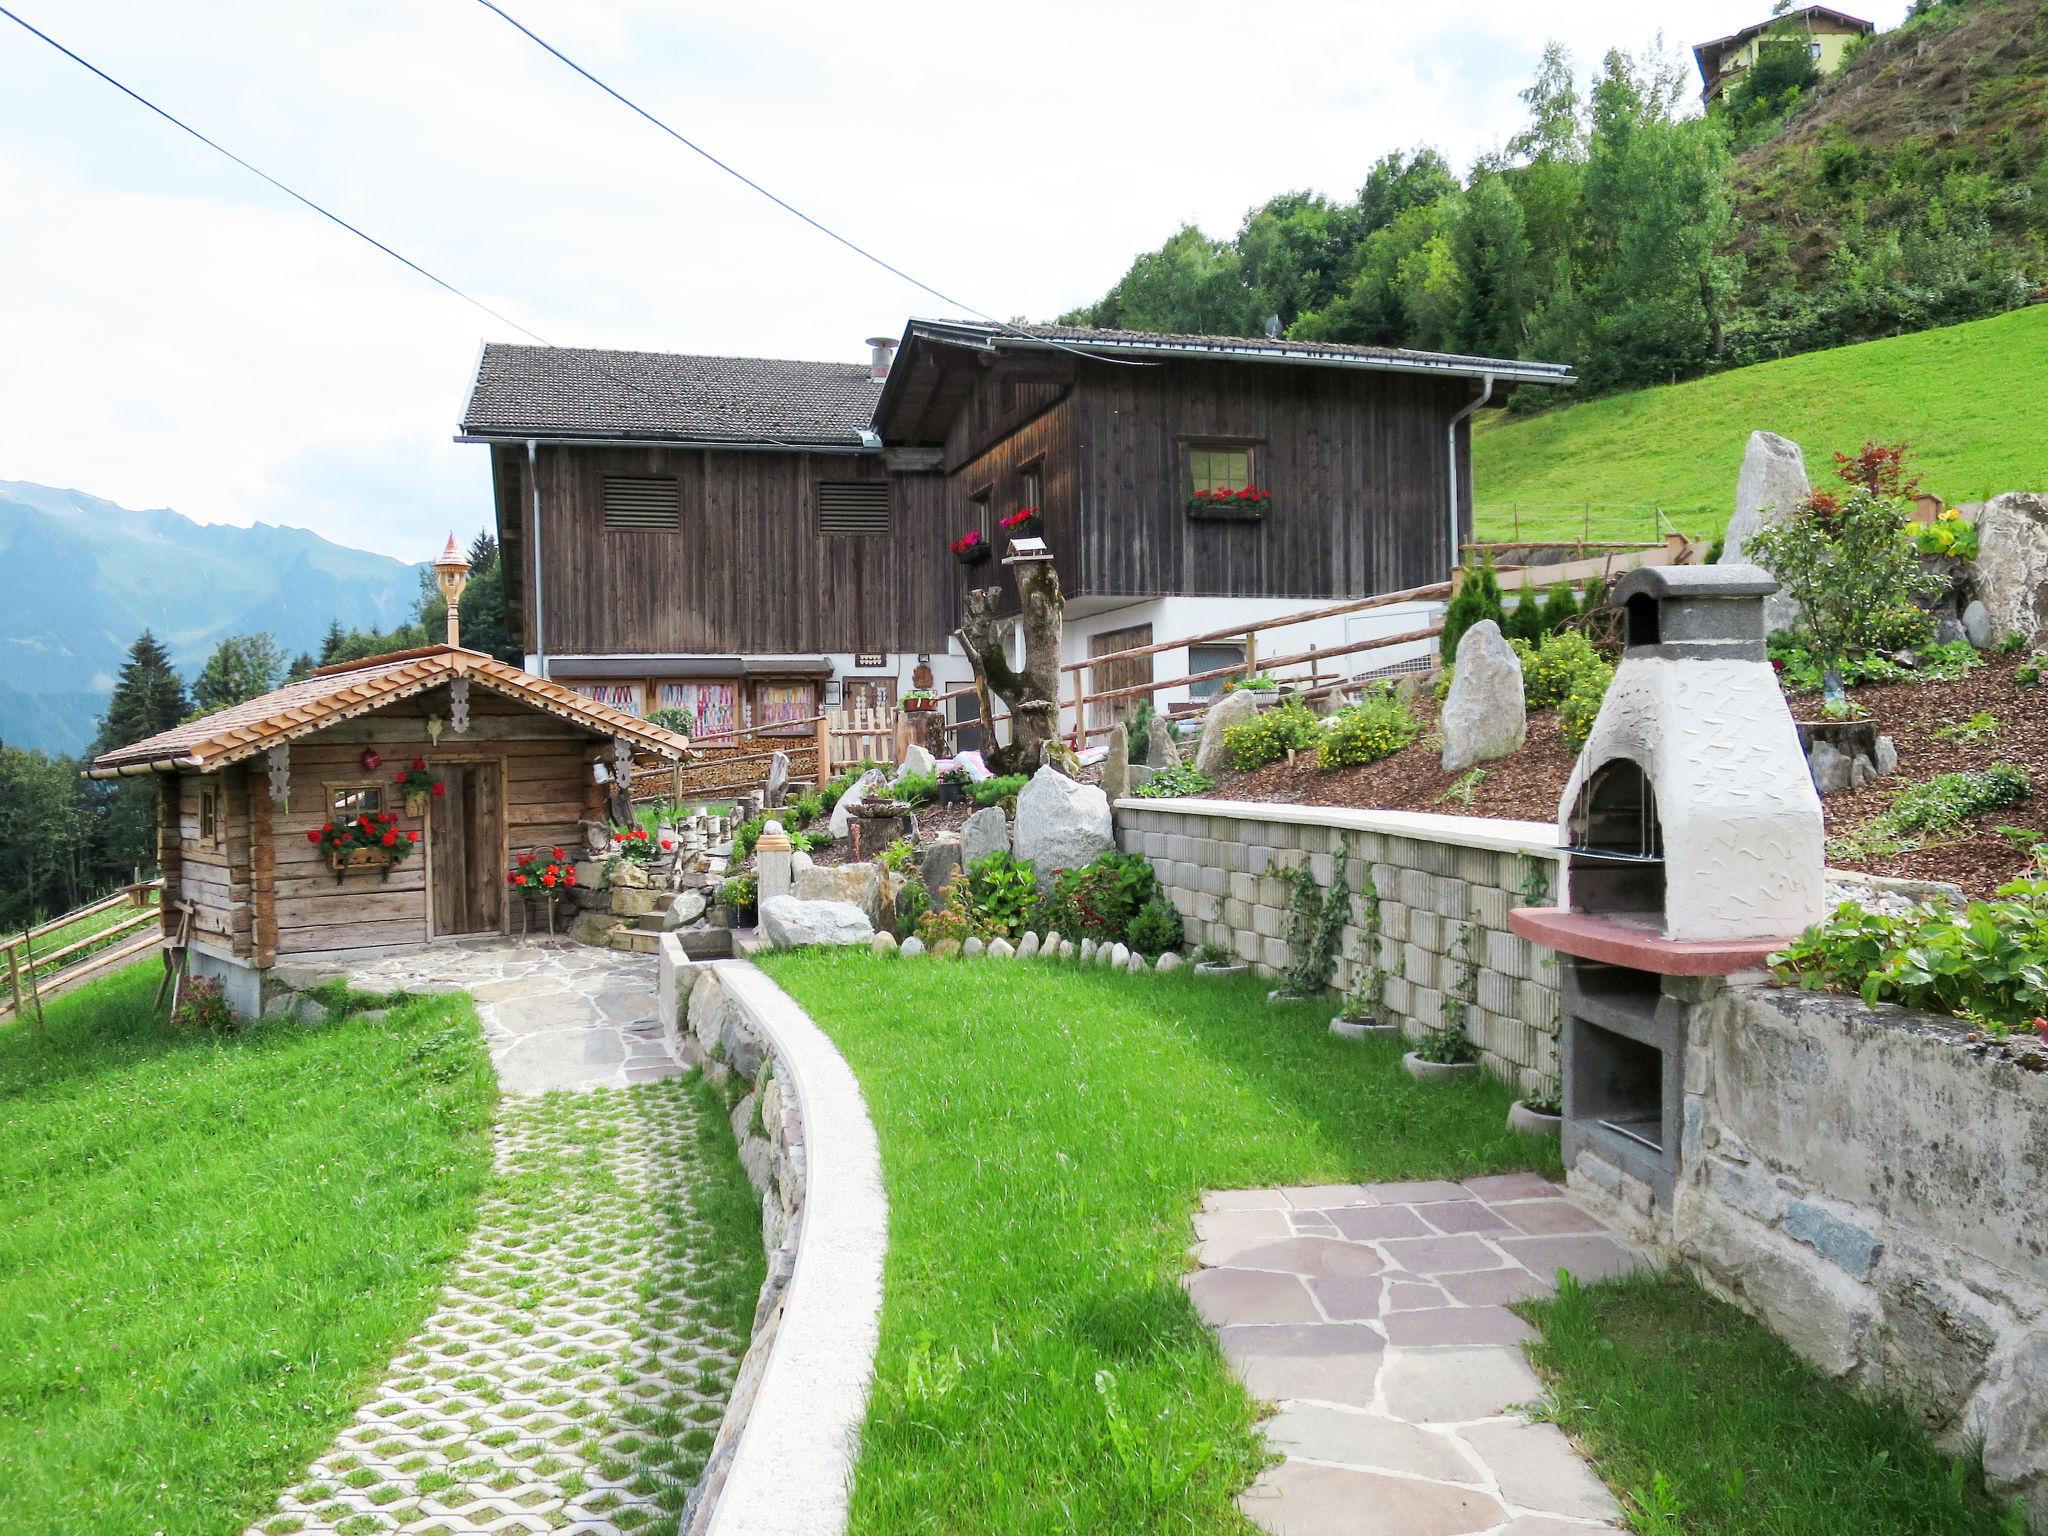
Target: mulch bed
x=1527 y=785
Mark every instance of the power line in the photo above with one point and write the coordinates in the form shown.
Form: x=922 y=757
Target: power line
x=781 y=202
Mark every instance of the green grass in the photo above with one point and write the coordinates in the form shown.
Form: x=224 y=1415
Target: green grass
x=1047 y=1132
x=211 y=1248
x=1657 y=1380
x=1967 y=397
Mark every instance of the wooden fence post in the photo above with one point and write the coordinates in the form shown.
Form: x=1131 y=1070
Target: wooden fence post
x=824 y=749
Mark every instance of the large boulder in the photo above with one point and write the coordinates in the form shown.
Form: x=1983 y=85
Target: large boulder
x=1116 y=764
x=1161 y=749
x=940 y=861
x=858 y=791
x=788 y=922
x=915 y=760
x=1061 y=824
x=1224 y=713
x=1771 y=486
x=987 y=831
x=858 y=885
x=2012 y=565
x=1485 y=715
x=777 y=787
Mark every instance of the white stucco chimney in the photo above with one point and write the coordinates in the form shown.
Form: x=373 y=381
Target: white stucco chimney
x=881 y=352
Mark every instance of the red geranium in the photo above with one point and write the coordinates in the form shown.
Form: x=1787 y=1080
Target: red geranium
x=440 y=788
x=419 y=764
x=412 y=837
x=313 y=836
x=390 y=839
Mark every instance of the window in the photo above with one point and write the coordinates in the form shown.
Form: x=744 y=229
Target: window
x=643 y=503
x=624 y=696
x=355 y=799
x=977 y=513
x=1813 y=51
x=853 y=507
x=713 y=708
x=784 y=706
x=1219 y=466
x=1034 y=488
x=1207 y=658
x=209 y=816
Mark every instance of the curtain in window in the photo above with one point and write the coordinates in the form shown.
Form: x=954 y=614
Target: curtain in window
x=783 y=704
x=713 y=708
x=624 y=696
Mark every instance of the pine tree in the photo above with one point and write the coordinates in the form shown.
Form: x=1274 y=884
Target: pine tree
x=1478 y=599
x=148 y=697
x=1560 y=607
x=302 y=666
x=483 y=553
x=337 y=637
x=1491 y=247
x=240 y=668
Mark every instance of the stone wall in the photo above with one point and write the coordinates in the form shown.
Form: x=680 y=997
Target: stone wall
x=1871 y=1184
x=782 y=1459
x=1437 y=878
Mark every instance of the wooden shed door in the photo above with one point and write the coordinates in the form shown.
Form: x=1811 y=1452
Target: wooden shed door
x=467 y=841
x=1117 y=674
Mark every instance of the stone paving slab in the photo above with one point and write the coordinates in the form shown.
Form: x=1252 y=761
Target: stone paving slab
x=1377 y=1317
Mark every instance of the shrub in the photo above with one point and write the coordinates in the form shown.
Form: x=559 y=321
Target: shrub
x=810 y=842
x=1932 y=809
x=203 y=1008
x=1139 y=729
x=1171 y=783
x=1578 y=709
x=1156 y=928
x=996 y=790
x=998 y=895
x=1986 y=962
x=740 y=891
x=675 y=720
x=1271 y=734
x=938 y=924
x=1101 y=899
x=1315 y=925
x=1525 y=620
x=1478 y=598
x=917 y=788
x=899 y=856
x=745 y=835
x=803 y=810
x=1375 y=727
x=1549 y=670
x=1801 y=669
x=1560 y=607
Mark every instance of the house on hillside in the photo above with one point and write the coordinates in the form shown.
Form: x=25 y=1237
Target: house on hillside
x=737 y=537
x=1824 y=33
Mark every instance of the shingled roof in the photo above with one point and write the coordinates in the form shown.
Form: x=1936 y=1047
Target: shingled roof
x=342 y=692
x=586 y=393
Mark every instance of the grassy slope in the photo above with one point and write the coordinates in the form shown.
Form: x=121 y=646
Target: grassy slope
x=1047 y=1132
x=210 y=1247
x=1966 y=397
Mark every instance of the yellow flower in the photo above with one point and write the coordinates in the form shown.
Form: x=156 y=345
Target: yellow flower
x=1950 y=515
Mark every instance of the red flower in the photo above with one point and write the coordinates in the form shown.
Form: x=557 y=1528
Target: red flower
x=548 y=879
x=313 y=837
x=559 y=854
x=440 y=788
x=390 y=839
x=666 y=845
x=519 y=879
x=328 y=828
x=412 y=837
x=419 y=763
x=569 y=878
x=512 y=878
x=2041 y=1027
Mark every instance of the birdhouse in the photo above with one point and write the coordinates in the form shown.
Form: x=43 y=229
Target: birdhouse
x=1027 y=552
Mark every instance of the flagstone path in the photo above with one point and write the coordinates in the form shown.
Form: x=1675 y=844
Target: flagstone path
x=1377 y=1317
x=576 y=1368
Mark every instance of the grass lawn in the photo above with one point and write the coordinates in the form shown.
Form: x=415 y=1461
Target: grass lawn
x=1967 y=397
x=1047 y=1132
x=1658 y=1380
x=212 y=1248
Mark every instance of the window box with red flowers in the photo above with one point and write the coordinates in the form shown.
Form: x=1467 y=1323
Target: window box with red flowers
x=1024 y=523
x=364 y=842
x=971 y=548
x=1246 y=504
x=419 y=786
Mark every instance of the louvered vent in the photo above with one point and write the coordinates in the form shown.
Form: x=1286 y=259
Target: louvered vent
x=643 y=501
x=853 y=506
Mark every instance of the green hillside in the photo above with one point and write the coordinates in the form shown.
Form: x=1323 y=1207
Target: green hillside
x=1967 y=397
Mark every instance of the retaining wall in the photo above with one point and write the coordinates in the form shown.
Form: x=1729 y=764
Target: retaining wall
x=1871 y=1184
x=782 y=1462
x=1437 y=878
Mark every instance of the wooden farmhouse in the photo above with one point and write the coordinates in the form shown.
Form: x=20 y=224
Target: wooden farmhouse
x=749 y=540
x=285 y=831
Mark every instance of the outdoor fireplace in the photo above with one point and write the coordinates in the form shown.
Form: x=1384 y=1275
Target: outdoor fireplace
x=1694 y=847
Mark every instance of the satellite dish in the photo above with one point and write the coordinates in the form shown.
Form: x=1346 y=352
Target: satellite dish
x=1272 y=327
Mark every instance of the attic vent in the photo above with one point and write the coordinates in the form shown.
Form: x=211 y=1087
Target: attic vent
x=853 y=506
x=643 y=501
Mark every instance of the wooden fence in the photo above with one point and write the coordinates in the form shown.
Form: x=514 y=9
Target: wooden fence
x=120 y=928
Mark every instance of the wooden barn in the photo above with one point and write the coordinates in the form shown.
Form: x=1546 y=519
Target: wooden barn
x=372 y=804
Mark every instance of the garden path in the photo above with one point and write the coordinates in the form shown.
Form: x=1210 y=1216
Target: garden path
x=571 y=1378
x=1377 y=1317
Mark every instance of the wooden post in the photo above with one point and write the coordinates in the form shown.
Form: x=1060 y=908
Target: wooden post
x=1080 y=709
x=262 y=874
x=824 y=740
x=1518 y=521
x=14 y=971
x=1251 y=653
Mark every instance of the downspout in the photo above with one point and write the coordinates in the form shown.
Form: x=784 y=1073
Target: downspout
x=540 y=620
x=1451 y=438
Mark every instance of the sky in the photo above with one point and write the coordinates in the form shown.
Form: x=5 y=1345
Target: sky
x=173 y=332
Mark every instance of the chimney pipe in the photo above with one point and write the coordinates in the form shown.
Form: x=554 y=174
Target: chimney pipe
x=881 y=352
x=451 y=572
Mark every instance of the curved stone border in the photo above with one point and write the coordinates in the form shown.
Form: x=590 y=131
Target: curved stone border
x=782 y=1464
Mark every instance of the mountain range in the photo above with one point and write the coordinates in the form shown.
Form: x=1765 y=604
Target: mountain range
x=81 y=577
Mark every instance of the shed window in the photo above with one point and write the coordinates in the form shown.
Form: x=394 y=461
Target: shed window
x=643 y=503
x=853 y=507
x=209 y=816
x=356 y=799
x=1207 y=658
x=784 y=706
x=1219 y=467
x=712 y=708
x=625 y=696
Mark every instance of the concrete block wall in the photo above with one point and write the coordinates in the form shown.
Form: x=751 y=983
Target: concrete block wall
x=1438 y=877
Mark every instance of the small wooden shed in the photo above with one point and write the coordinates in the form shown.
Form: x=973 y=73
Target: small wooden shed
x=372 y=804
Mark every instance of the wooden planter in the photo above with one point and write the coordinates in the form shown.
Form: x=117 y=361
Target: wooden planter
x=978 y=555
x=350 y=861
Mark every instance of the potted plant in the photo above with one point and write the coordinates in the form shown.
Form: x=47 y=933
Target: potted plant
x=971 y=548
x=417 y=784
x=953 y=786
x=637 y=844
x=367 y=842
x=1024 y=523
x=1360 y=1016
x=1212 y=959
x=1541 y=1114
x=740 y=896
x=1263 y=689
x=1443 y=1053
x=542 y=877
x=918 y=701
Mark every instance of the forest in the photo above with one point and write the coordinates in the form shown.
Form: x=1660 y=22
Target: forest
x=66 y=839
x=1642 y=241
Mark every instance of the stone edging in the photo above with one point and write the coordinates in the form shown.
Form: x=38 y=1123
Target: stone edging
x=1490 y=832
x=782 y=1463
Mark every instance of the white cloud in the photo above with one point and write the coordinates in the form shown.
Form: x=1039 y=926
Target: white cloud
x=173 y=332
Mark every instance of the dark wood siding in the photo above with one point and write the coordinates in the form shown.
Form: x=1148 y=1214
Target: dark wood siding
x=747 y=572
